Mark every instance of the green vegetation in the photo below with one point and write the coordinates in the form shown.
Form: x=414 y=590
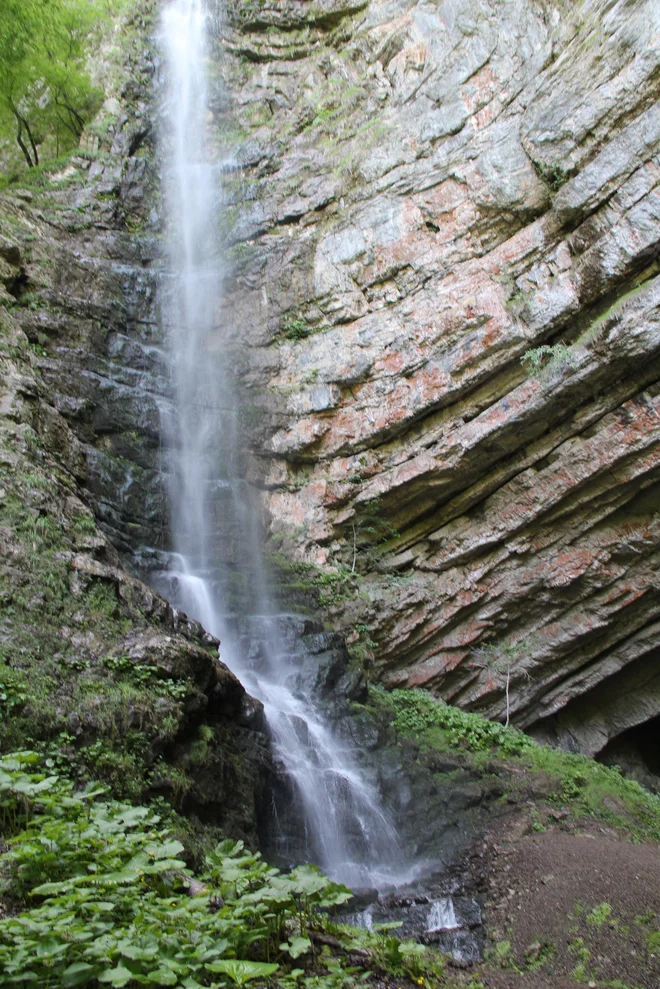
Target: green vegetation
x=418 y=714
x=61 y=661
x=100 y=894
x=295 y=327
x=501 y=955
x=541 y=362
x=370 y=524
x=589 y=788
x=554 y=176
x=601 y=914
x=582 y=954
x=45 y=89
x=326 y=587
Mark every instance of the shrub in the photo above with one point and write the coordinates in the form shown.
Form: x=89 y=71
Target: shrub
x=417 y=712
x=542 y=361
x=102 y=895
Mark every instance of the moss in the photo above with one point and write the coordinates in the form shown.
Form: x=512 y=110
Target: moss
x=309 y=587
x=58 y=624
x=587 y=787
x=640 y=285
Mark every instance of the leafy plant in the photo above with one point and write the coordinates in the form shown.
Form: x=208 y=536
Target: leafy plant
x=113 y=895
x=44 y=86
x=296 y=946
x=143 y=675
x=12 y=696
x=542 y=361
x=101 y=894
x=294 y=327
x=241 y=972
x=416 y=711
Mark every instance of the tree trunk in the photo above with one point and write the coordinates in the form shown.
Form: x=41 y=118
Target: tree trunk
x=21 y=144
x=25 y=151
x=34 y=147
x=21 y=123
x=75 y=122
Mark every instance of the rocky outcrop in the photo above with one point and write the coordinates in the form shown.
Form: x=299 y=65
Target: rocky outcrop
x=417 y=196
x=424 y=193
x=95 y=667
x=93 y=663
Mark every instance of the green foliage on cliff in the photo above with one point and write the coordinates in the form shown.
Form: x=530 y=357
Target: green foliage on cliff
x=545 y=360
x=417 y=712
x=588 y=787
x=44 y=86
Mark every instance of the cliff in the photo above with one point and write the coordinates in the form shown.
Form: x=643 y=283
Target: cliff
x=96 y=670
x=421 y=195
x=417 y=196
x=441 y=305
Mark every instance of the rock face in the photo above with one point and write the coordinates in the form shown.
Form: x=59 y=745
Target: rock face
x=95 y=667
x=423 y=193
x=417 y=196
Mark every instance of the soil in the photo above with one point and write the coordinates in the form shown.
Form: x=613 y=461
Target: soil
x=491 y=979
x=569 y=904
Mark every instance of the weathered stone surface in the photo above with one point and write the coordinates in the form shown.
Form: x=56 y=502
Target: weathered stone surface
x=428 y=192
x=93 y=661
x=71 y=615
x=417 y=195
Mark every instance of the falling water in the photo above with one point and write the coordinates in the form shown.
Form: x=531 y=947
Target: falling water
x=213 y=516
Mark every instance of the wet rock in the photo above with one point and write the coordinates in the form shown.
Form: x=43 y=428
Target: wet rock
x=102 y=654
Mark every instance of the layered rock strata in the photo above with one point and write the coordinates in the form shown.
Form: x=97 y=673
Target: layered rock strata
x=417 y=196
x=422 y=194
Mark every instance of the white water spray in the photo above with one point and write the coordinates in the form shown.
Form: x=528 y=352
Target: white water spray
x=217 y=564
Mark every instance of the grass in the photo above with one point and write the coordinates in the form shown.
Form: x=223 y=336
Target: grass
x=589 y=788
x=42 y=176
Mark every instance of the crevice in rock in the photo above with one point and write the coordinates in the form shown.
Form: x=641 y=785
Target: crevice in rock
x=625 y=695
x=637 y=753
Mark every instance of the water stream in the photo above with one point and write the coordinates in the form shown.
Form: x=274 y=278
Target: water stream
x=217 y=568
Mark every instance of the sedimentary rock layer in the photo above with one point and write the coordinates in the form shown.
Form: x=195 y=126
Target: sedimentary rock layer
x=423 y=193
x=416 y=196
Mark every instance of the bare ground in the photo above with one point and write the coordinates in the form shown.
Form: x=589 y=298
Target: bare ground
x=569 y=906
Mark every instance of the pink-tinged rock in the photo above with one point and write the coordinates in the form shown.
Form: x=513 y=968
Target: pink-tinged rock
x=496 y=190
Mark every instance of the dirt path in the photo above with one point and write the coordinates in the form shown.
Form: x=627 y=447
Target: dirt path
x=571 y=907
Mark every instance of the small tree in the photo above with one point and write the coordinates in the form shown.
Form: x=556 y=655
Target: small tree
x=502 y=659
x=44 y=86
x=369 y=522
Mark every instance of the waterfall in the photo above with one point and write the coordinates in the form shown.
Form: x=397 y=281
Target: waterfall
x=217 y=567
